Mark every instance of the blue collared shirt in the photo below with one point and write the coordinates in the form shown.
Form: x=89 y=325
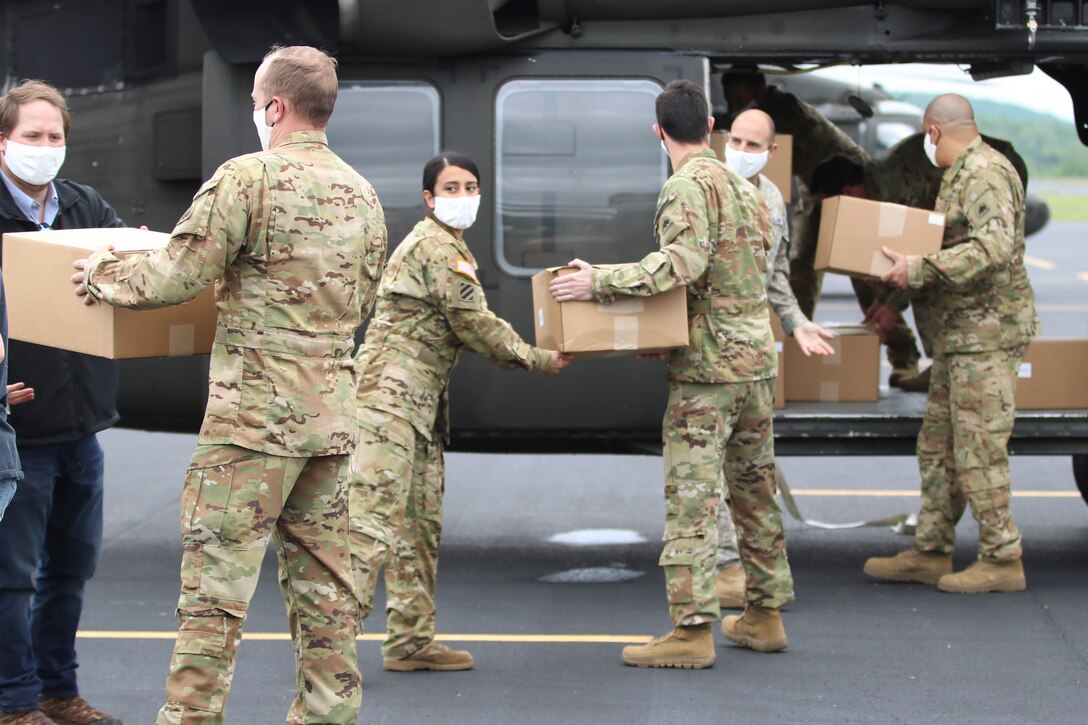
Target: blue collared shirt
x=30 y=207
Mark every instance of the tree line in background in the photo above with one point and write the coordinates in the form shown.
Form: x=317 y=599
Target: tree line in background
x=1049 y=145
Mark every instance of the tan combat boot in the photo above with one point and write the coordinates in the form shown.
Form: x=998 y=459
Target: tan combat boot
x=730 y=585
x=759 y=628
x=689 y=648
x=435 y=656
x=986 y=575
x=925 y=567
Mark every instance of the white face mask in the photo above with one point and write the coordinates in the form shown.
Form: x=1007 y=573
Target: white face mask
x=36 y=165
x=264 y=131
x=931 y=149
x=458 y=212
x=744 y=163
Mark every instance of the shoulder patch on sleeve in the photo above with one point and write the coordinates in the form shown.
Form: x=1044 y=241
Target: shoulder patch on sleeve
x=463 y=267
x=986 y=206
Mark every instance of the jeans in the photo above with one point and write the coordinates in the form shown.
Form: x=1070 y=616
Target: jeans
x=7 y=490
x=49 y=545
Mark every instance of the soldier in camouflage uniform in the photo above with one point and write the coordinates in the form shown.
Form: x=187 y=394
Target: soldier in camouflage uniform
x=715 y=235
x=984 y=316
x=294 y=241
x=430 y=306
x=905 y=176
x=750 y=145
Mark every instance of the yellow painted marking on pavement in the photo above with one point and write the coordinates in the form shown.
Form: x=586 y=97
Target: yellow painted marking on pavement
x=503 y=638
x=1040 y=263
x=915 y=492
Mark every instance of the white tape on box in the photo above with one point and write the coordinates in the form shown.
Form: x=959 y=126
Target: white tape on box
x=182 y=340
x=1025 y=370
x=623 y=306
x=892 y=220
x=625 y=333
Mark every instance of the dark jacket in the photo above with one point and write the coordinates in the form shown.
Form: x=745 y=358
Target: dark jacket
x=9 y=455
x=74 y=394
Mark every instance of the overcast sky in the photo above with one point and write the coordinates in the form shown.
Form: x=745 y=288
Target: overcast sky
x=1037 y=91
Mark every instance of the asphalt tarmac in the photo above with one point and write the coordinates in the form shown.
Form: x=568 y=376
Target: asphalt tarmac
x=531 y=584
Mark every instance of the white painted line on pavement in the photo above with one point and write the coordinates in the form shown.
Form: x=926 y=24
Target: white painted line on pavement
x=1040 y=263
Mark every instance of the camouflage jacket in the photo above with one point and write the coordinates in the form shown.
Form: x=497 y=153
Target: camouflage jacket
x=779 y=292
x=979 y=292
x=294 y=240
x=715 y=234
x=430 y=305
x=815 y=138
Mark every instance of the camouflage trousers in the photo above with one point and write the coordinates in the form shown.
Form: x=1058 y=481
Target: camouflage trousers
x=728 y=549
x=397 y=484
x=719 y=436
x=233 y=502
x=963 y=452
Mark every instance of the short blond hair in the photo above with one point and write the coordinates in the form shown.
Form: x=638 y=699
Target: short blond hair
x=26 y=92
x=304 y=76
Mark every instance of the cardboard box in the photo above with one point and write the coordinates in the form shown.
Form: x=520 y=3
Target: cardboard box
x=780 y=347
x=629 y=325
x=852 y=232
x=851 y=374
x=779 y=168
x=1052 y=375
x=44 y=309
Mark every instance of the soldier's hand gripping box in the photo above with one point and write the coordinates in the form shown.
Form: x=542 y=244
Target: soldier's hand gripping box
x=853 y=231
x=44 y=309
x=1051 y=375
x=851 y=374
x=627 y=326
x=779 y=168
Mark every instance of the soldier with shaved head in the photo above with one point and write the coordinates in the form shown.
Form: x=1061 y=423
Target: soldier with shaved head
x=983 y=313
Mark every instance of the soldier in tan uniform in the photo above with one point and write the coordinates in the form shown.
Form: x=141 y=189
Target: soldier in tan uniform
x=294 y=241
x=715 y=235
x=750 y=145
x=815 y=139
x=984 y=317
x=430 y=307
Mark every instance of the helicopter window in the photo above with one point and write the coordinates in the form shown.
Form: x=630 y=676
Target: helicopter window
x=387 y=131
x=578 y=172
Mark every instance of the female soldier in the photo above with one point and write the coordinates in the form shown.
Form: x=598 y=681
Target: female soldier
x=429 y=306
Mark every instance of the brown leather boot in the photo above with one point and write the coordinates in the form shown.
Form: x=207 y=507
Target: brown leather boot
x=986 y=575
x=74 y=711
x=899 y=374
x=729 y=585
x=34 y=717
x=915 y=383
x=924 y=567
x=689 y=648
x=759 y=628
x=435 y=656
